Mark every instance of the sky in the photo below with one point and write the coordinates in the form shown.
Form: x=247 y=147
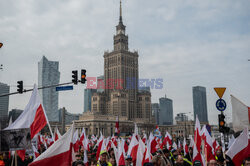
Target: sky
x=186 y=43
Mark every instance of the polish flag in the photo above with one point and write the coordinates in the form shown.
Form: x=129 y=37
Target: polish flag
x=197 y=134
x=117 y=130
x=121 y=153
x=59 y=153
x=197 y=158
x=33 y=116
x=133 y=147
x=167 y=139
x=76 y=141
x=185 y=147
x=100 y=146
x=84 y=140
x=152 y=144
x=144 y=139
x=241 y=114
x=240 y=149
x=140 y=153
x=208 y=145
x=113 y=139
x=215 y=145
x=57 y=134
x=36 y=153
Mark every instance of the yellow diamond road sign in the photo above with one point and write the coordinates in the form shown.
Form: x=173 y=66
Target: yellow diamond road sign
x=220 y=91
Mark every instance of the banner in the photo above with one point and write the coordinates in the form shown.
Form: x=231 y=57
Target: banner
x=15 y=139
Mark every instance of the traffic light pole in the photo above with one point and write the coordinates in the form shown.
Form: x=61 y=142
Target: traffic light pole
x=27 y=90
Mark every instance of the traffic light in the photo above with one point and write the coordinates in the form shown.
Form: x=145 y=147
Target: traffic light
x=83 y=76
x=20 y=86
x=221 y=123
x=74 y=77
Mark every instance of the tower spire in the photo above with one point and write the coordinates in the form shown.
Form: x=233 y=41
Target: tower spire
x=120 y=20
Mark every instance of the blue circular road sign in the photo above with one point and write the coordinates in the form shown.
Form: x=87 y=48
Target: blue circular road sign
x=221 y=105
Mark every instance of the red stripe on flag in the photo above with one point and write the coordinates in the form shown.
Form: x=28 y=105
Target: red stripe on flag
x=39 y=122
x=62 y=159
x=249 y=115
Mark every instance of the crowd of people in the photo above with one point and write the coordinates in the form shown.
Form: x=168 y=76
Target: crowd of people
x=162 y=157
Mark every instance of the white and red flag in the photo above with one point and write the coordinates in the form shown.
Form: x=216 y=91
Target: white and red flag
x=197 y=134
x=84 y=141
x=117 y=129
x=76 y=142
x=33 y=116
x=185 y=147
x=59 y=153
x=240 y=149
x=240 y=114
x=57 y=134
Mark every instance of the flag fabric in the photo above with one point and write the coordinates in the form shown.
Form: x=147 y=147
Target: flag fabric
x=197 y=158
x=76 y=141
x=59 y=153
x=57 y=134
x=121 y=152
x=208 y=144
x=197 y=134
x=117 y=130
x=240 y=149
x=240 y=114
x=140 y=153
x=85 y=158
x=32 y=117
x=185 y=147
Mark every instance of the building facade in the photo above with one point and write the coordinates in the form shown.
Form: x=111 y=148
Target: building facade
x=121 y=96
x=181 y=117
x=88 y=93
x=4 y=105
x=156 y=112
x=200 y=103
x=48 y=74
x=166 y=111
x=14 y=114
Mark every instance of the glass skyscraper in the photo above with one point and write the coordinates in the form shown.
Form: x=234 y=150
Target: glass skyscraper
x=200 y=103
x=4 y=105
x=87 y=98
x=166 y=111
x=48 y=74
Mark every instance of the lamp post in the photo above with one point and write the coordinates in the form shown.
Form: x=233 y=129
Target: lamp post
x=185 y=120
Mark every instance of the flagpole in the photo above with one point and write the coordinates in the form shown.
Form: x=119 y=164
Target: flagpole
x=52 y=135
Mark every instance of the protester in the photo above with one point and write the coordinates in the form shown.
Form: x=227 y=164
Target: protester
x=128 y=161
x=78 y=158
x=112 y=161
x=103 y=159
x=246 y=162
x=212 y=163
x=157 y=160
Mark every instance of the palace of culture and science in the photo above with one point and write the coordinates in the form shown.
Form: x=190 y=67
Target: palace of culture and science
x=124 y=99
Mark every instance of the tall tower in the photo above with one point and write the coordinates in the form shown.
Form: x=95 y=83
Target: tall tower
x=48 y=74
x=200 y=103
x=121 y=67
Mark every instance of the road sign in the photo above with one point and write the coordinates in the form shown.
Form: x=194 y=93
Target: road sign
x=63 y=88
x=221 y=105
x=220 y=91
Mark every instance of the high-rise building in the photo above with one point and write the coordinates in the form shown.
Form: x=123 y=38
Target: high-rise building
x=181 y=117
x=88 y=93
x=156 y=111
x=14 y=114
x=166 y=111
x=100 y=80
x=200 y=103
x=48 y=74
x=121 y=96
x=4 y=104
x=4 y=101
